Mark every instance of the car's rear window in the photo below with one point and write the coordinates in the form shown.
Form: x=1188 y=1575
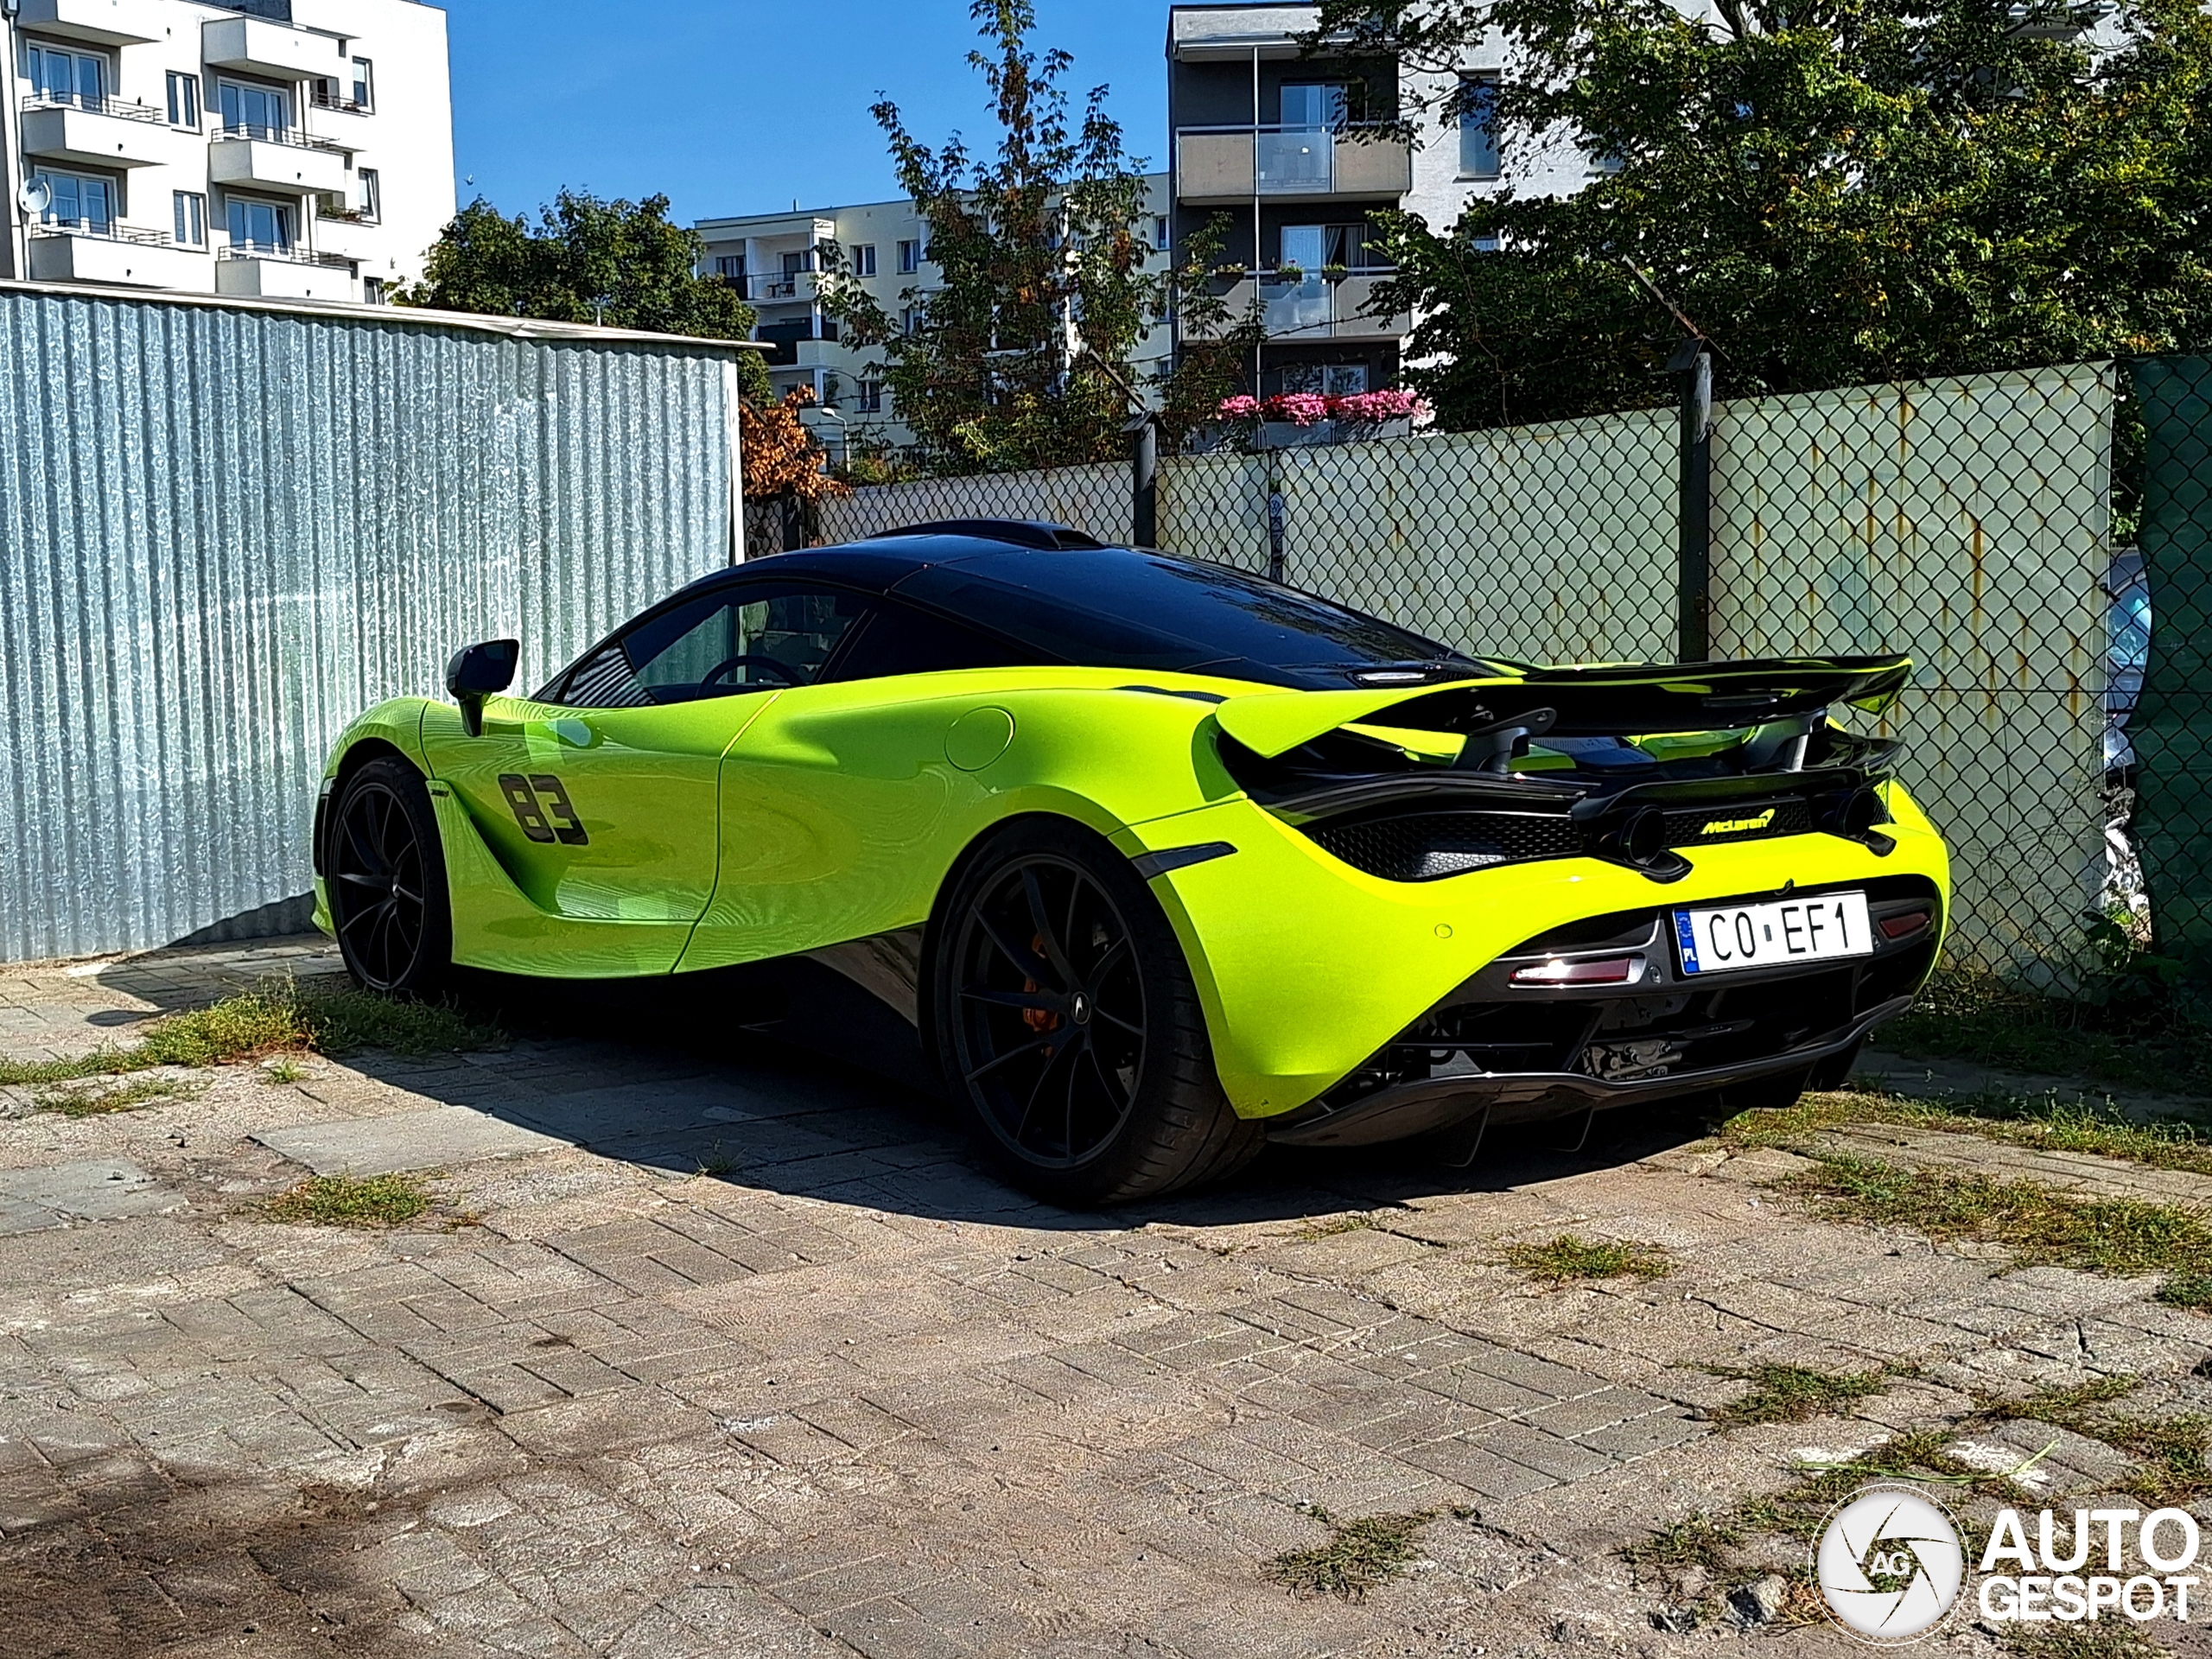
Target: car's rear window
x=1118 y=609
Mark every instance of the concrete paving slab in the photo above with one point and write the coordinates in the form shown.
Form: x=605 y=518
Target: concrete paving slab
x=436 y=1139
x=97 y=1189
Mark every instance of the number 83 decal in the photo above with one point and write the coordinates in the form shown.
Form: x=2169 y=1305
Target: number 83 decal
x=542 y=807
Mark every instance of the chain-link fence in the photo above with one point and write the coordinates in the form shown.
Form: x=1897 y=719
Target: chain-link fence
x=1968 y=523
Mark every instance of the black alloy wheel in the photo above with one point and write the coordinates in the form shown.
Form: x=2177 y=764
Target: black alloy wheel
x=387 y=880
x=1049 y=1034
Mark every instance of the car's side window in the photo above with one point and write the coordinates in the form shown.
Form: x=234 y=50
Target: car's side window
x=898 y=639
x=719 y=646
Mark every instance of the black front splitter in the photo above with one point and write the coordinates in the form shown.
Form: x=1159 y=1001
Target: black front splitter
x=1402 y=1110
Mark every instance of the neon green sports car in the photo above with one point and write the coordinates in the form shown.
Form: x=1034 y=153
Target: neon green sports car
x=1163 y=861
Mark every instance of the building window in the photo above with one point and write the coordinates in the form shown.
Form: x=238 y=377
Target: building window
x=1163 y=234
x=864 y=259
x=60 y=76
x=730 y=267
x=1330 y=379
x=871 y=396
x=371 y=290
x=1331 y=105
x=1314 y=248
x=364 y=83
x=910 y=258
x=1478 y=157
x=254 y=111
x=82 y=201
x=184 y=100
x=371 y=202
x=910 y=320
x=258 y=226
x=191 y=209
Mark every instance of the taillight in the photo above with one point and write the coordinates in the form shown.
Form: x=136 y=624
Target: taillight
x=1602 y=970
x=1898 y=927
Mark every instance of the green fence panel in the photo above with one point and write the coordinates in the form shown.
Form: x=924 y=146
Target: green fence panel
x=2173 y=724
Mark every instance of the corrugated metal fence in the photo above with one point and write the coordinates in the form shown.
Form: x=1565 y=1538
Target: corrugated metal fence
x=226 y=530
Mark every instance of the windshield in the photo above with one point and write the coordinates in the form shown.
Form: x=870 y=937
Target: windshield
x=1115 y=608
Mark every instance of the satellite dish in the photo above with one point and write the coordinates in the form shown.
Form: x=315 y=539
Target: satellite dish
x=36 y=197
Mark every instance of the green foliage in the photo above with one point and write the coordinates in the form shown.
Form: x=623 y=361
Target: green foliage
x=622 y=264
x=346 y=1201
x=1560 y=1260
x=1020 y=359
x=1217 y=345
x=255 y=1023
x=1860 y=191
x=2125 y=1029
x=101 y=1099
x=1359 y=1555
x=1792 y=1393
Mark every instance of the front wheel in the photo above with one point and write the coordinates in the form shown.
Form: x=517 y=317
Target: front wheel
x=386 y=875
x=1069 y=1028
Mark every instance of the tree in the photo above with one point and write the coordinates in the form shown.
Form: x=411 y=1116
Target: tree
x=622 y=264
x=780 y=456
x=1835 y=192
x=1217 y=345
x=1022 y=358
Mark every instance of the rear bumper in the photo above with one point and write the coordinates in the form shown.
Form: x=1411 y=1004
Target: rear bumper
x=1401 y=1110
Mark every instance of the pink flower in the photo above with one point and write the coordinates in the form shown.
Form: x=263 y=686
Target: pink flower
x=1373 y=408
x=1301 y=408
x=1238 y=407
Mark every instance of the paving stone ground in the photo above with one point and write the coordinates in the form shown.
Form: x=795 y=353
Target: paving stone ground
x=716 y=1346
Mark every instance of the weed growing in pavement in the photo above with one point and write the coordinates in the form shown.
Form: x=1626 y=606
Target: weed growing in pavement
x=347 y=1201
x=2106 y=1639
x=1565 y=1258
x=2045 y=1122
x=2127 y=1029
x=253 y=1024
x=2174 y=1454
x=1359 y=1554
x=1330 y=1226
x=282 y=1070
x=1791 y=1393
x=98 y=1100
x=2039 y=1224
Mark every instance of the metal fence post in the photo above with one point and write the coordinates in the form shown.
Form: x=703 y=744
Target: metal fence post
x=1694 y=549
x=1144 y=480
x=794 y=525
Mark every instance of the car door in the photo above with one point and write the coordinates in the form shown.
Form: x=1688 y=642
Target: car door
x=602 y=801
x=826 y=798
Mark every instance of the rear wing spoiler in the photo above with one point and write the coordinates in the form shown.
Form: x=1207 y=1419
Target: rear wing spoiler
x=1625 y=699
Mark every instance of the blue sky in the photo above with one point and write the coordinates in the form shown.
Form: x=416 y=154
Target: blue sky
x=733 y=106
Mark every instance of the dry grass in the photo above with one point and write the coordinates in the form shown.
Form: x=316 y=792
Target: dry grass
x=74 y=1100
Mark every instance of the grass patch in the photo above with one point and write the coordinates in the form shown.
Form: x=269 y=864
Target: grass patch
x=2172 y=1451
x=254 y=1024
x=2044 y=1122
x=1566 y=1258
x=1705 y=1541
x=99 y=1101
x=282 y=1070
x=2039 y=1224
x=370 y=1201
x=1359 y=1555
x=2106 y=1639
x=1333 y=1226
x=1793 y=1393
x=2126 y=1032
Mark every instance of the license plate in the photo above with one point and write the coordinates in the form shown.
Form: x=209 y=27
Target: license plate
x=1771 y=936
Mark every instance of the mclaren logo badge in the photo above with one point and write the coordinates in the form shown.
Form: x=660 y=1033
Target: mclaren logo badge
x=1737 y=826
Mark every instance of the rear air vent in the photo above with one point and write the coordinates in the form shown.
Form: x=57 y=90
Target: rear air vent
x=1431 y=846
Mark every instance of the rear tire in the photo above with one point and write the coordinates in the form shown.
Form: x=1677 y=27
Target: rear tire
x=1069 y=1029
x=386 y=878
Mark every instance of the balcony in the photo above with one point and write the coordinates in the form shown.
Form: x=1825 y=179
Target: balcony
x=1316 y=308
x=276 y=158
x=101 y=132
x=102 y=22
x=274 y=50
x=347 y=235
x=1230 y=164
x=116 y=255
x=252 y=272
x=797 y=342
x=774 y=287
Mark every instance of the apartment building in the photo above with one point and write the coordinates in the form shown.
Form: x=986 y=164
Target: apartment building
x=278 y=148
x=1286 y=154
x=776 y=258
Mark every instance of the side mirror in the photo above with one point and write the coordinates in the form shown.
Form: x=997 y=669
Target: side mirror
x=479 y=671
